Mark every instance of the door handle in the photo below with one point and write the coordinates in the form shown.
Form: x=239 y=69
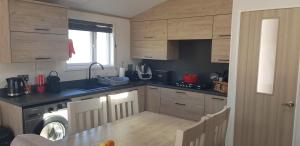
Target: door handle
x=290 y=104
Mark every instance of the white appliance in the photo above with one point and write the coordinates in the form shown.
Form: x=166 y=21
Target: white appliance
x=144 y=71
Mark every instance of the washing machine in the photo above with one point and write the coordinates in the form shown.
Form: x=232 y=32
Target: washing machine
x=49 y=121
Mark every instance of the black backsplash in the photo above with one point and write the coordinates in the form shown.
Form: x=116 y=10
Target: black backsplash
x=195 y=57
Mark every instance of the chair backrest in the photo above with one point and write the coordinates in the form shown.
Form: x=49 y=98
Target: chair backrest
x=123 y=105
x=87 y=114
x=210 y=131
x=216 y=128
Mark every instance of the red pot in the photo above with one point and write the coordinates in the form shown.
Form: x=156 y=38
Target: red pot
x=190 y=78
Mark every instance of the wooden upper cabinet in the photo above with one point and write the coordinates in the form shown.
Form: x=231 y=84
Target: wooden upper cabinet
x=27 y=47
x=220 y=51
x=149 y=30
x=156 y=50
x=36 y=17
x=222 y=26
x=190 y=28
x=32 y=30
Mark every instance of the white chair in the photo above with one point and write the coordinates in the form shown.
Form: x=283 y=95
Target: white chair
x=210 y=131
x=87 y=114
x=123 y=105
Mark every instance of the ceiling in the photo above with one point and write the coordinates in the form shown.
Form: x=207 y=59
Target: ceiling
x=123 y=8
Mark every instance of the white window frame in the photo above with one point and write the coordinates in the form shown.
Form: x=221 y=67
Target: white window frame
x=84 y=66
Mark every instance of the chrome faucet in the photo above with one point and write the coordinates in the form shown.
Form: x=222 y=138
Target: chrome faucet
x=90 y=68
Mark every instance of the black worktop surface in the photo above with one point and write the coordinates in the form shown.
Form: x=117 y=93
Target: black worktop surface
x=67 y=94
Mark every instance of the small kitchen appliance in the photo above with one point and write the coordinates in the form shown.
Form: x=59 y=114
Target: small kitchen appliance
x=15 y=86
x=144 y=71
x=162 y=76
x=53 y=82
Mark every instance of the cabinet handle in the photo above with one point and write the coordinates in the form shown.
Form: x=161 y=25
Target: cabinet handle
x=148 y=37
x=224 y=35
x=42 y=58
x=180 y=104
x=218 y=99
x=153 y=88
x=87 y=98
x=180 y=92
x=223 y=59
x=42 y=29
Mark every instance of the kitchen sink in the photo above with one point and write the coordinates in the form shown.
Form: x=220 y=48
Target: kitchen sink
x=93 y=85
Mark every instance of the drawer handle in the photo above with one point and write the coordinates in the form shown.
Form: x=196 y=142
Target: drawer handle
x=180 y=92
x=153 y=88
x=87 y=98
x=218 y=99
x=42 y=58
x=224 y=35
x=180 y=104
x=42 y=29
x=223 y=59
x=148 y=37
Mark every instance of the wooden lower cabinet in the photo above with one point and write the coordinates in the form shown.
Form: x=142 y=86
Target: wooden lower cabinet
x=184 y=104
x=214 y=104
x=153 y=99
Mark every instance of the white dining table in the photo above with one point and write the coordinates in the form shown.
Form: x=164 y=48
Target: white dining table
x=143 y=129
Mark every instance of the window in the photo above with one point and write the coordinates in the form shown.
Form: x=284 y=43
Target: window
x=93 y=42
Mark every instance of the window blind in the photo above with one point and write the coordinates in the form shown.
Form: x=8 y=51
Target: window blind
x=90 y=26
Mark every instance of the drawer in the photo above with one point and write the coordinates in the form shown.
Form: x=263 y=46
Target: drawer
x=183 y=104
x=28 y=16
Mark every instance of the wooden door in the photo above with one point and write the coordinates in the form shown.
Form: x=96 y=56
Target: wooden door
x=149 y=30
x=264 y=116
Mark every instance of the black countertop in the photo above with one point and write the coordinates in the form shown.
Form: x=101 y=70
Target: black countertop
x=67 y=94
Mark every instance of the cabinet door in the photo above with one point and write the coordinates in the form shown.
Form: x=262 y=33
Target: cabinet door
x=153 y=99
x=149 y=50
x=28 y=16
x=213 y=104
x=220 y=51
x=27 y=47
x=149 y=30
x=190 y=28
x=222 y=26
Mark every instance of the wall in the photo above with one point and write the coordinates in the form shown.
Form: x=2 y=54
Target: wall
x=194 y=57
x=238 y=7
x=122 y=53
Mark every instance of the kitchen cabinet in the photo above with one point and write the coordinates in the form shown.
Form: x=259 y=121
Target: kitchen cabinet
x=222 y=26
x=29 y=33
x=149 y=41
x=184 y=104
x=214 y=104
x=221 y=39
x=149 y=30
x=220 y=51
x=158 y=50
x=190 y=28
x=31 y=17
x=27 y=47
x=153 y=99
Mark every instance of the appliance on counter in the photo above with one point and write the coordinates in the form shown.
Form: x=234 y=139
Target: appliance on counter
x=49 y=121
x=53 y=82
x=131 y=74
x=162 y=76
x=197 y=86
x=144 y=71
x=190 y=78
x=15 y=86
